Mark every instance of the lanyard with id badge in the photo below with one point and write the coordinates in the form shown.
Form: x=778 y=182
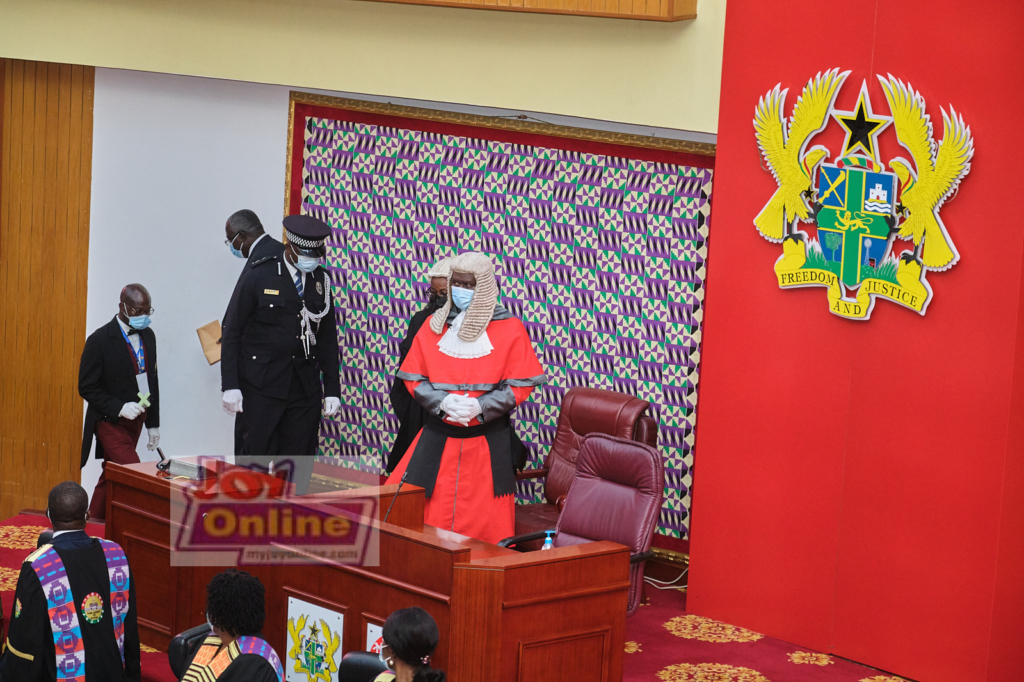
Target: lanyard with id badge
x=141 y=378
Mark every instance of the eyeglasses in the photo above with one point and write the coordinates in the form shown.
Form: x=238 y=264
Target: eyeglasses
x=231 y=242
x=435 y=292
x=132 y=312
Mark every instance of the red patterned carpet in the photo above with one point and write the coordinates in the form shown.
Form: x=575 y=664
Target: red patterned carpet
x=665 y=643
x=18 y=537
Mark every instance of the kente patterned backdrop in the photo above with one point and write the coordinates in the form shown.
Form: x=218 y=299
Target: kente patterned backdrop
x=601 y=257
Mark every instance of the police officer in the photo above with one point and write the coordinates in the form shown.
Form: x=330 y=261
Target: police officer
x=244 y=236
x=279 y=336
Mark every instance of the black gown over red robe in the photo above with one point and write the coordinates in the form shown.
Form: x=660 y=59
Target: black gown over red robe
x=471 y=494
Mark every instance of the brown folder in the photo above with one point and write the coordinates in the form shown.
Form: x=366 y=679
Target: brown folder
x=209 y=337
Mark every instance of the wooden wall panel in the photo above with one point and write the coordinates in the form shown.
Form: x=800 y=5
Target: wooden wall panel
x=45 y=177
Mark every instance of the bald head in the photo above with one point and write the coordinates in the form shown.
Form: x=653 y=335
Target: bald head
x=135 y=300
x=67 y=506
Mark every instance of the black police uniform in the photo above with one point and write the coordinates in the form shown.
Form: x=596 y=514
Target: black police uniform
x=263 y=355
x=265 y=246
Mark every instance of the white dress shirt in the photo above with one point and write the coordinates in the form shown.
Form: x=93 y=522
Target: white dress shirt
x=141 y=379
x=61 y=532
x=292 y=270
x=133 y=339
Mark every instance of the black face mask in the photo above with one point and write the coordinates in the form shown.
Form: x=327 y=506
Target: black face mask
x=436 y=301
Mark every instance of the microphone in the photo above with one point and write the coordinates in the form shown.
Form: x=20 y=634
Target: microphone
x=400 y=484
x=175 y=468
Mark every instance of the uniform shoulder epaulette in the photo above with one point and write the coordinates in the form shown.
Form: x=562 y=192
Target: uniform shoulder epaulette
x=36 y=554
x=261 y=261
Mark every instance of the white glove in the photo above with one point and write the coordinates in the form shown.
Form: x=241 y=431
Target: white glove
x=232 y=401
x=462 y=408
x=131 y=411
x=470 y=407
x=453 y=406
x=154 y=438
x=331 y=406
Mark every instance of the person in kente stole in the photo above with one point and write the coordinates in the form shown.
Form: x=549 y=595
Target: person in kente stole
x=280 y=335
x=74 y=614
x=118 y=378
x=235 y=650
x=469 y=368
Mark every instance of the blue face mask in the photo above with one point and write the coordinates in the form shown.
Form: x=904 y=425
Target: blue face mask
x=139 y=321
x=237 y=253
x=136 y=321
x=306 y=263
x=461 y=297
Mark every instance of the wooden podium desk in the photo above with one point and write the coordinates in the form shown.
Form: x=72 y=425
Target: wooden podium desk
x=503 y=615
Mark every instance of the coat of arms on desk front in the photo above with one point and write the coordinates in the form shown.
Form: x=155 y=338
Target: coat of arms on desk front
x=860 y=206
x=314 y=645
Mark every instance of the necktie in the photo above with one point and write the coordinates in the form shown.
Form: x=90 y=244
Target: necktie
x=298 y=282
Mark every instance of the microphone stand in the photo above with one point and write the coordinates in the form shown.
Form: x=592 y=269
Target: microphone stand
x=400 y=484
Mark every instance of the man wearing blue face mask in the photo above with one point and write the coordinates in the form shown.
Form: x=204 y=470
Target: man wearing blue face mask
x=245 y=238
x=118 y=379
x=279 y=337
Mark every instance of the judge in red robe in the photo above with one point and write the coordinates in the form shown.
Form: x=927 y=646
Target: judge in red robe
x=468 y=368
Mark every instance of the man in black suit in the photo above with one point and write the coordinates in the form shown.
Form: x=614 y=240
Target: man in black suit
x=244 y=235
x=118 y=378
x=280 y=334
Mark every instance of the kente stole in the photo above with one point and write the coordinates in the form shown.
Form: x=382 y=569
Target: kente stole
x=208 y=665
x=69 y=648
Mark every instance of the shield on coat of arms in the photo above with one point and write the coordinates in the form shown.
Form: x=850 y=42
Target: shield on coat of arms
x=313 y=654
x=855 y=224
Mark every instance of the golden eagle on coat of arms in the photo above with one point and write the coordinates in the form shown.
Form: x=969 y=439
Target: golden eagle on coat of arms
x=858 y=207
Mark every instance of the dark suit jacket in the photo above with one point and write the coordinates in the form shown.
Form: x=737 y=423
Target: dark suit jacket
x=106 y=379
x=261 y=345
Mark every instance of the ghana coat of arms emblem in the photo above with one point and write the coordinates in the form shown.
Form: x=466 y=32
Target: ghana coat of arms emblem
x=313 y=656
x=860 y=207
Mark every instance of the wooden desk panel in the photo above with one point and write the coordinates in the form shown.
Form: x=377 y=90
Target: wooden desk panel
x=502 y=615
x=542 y=610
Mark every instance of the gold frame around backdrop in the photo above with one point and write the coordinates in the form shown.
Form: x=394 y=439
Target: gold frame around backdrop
x=518 y=125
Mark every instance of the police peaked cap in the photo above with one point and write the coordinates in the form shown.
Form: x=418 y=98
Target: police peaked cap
x=307 y=234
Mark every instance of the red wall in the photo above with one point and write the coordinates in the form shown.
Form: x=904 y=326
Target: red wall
x=859 y=486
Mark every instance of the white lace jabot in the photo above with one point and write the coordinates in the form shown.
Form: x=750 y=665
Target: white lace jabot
x=452 y=346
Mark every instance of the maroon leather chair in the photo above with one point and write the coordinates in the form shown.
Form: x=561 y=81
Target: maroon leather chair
x=616 y=495
x=584 y=411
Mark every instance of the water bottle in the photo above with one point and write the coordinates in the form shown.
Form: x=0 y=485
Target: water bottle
x=548 y=543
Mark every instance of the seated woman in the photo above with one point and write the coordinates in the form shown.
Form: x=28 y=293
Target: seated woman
x=235 y=652
x=410 y=637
